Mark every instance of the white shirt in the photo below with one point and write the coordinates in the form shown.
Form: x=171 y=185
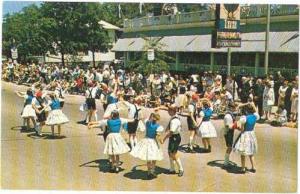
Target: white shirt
x=195 y=78
x=91 y=92
x=175 y=125
x=191 y=108
x=228 y=120
x=109 y=109
x=99 y=77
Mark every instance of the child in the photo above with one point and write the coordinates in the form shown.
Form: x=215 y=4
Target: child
x=280 y=116
x=246 y=143
x=28 y=112
x=229 y=120
x=115 y=143
x=148 y=149
x=206 y=128
x=56 y=116
x=173 y=134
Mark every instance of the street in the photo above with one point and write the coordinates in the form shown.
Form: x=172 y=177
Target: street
x=77 y=162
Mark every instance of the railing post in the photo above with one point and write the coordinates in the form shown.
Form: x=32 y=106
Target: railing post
x=212 y=61
x=177 y=61
x=267 y=40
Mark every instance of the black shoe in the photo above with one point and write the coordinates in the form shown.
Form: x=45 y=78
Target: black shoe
x=112 y=169
x=171 y=172
x=149 y=175
x=117 y=170
x=209 y=149
x=243 y=171
x=252 y=170
x=154 y=175
x=180 y=173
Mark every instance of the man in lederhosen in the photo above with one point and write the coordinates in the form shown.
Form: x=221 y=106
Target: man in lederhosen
x=173 y=133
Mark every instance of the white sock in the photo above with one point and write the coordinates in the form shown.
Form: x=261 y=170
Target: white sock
x=191 y=141
x=87 y=119
x=226 y=160
x=135 y=141
x=96 y=117
x=178 y=161
x=172 y=164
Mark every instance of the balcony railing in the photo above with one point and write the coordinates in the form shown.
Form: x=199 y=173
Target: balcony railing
x=252 y=11
x=196 y=68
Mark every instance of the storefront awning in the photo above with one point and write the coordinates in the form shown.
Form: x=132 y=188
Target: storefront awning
x=251 y=42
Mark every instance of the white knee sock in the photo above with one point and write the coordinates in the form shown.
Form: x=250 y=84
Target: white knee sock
x=191 y=141
x=87 y=119
x=135 y=140
x=178 y=161
x=172 y=164
x=96 y=117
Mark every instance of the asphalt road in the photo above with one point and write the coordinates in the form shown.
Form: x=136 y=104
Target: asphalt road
x=77 y=162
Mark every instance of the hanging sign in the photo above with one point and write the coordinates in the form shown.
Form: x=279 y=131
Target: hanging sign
x=227 y=26
x=150 y=54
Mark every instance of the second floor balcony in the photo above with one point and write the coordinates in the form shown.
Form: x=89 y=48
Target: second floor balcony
x=252 y=11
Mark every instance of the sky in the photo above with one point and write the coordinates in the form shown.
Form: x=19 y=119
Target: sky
x=16 y=6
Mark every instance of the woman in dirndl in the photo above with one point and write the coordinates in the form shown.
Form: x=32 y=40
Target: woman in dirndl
x=28 y=112
x=56 y=117
x=115 y=144
x=148 y=148
x=246 y=143
x=206 y=128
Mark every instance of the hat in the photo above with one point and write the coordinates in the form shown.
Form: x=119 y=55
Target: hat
x=155 y=116
x=39 y=94
x=195 y=97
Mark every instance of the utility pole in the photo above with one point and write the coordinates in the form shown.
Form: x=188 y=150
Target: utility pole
x=267 y=40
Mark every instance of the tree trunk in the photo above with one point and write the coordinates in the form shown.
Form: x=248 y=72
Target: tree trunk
x=63 y=59
x=94 y=63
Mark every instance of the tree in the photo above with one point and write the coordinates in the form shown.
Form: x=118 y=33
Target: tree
x=159 y=64
x=27 y=32
x=96 y=37
x=67 y=27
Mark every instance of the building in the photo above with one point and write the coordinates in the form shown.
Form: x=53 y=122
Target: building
x=87 y=57
x=187 y=37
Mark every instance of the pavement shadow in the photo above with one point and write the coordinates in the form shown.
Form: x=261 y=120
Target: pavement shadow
x=25 y=130
x=136 y=173
x=102 y=164
x=17 y=128
x=45 y=136
x=51 y=137
x=231 y=168
x=82 y=122
x=22 y=129
x=185 y=149
x=35 y=136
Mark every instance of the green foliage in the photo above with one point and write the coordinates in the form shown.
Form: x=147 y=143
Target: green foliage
x=159 y=64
